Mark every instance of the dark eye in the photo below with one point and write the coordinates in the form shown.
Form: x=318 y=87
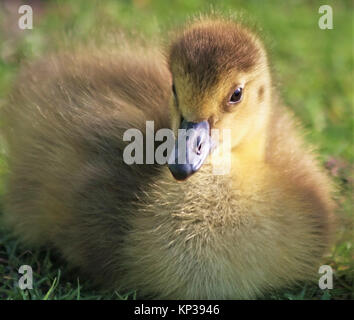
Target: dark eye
x=236 y=96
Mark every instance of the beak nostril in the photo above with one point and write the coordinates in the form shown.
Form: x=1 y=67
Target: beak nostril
x=199 y=146
x=198 y=151
x=199 y=140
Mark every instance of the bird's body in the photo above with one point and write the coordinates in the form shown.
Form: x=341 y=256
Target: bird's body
x=264 y=225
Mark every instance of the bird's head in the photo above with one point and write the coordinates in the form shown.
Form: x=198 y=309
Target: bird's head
x=220 y=81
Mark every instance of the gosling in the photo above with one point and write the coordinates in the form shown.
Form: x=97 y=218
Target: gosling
x=263 y=225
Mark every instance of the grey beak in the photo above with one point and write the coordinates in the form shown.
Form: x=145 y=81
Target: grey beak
x=191 y=149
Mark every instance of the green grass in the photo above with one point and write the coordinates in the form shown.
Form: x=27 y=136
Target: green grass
x=314 y=70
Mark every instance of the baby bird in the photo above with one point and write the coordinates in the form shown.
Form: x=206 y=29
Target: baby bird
x=262 y=225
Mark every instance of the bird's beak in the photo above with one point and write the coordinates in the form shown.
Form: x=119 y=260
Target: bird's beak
x=191 y=149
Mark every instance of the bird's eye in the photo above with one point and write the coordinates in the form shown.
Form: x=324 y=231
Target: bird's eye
x=236 y=96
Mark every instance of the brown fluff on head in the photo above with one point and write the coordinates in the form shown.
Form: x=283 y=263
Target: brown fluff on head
x=263 y=226
x=210 y=49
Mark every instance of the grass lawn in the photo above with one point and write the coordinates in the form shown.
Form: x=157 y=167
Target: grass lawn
x=312 y=67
